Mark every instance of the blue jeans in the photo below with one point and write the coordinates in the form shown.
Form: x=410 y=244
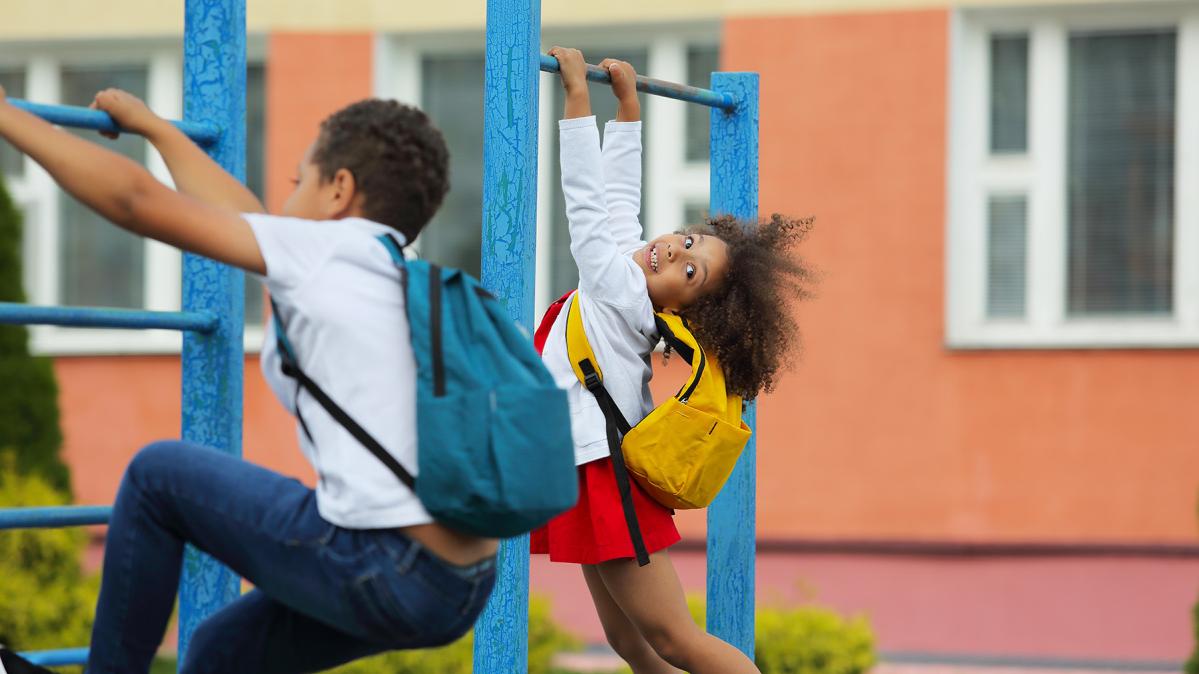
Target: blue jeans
x=324 y=595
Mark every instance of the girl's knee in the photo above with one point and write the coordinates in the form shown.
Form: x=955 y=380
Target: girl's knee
x=628 y=644
x=673 y=643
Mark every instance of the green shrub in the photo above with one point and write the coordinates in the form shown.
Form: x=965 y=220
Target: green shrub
x=545 y=640
x=29 y=394
x=48 y=602
x=806 y=640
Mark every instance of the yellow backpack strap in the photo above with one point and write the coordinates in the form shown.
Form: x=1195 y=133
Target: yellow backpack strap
x=586 y=367
x=578 y=348
x=676 y=333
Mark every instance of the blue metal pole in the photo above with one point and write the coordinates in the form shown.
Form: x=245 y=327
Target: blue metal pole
x=653 y=87
x=214 y=86
x=130 y=319
x=84 y=118
x=53 y=517
x=509 y=258
x=731 y=517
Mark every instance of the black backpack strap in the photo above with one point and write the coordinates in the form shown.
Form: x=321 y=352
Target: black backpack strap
x=291 y=368
x=616 y=427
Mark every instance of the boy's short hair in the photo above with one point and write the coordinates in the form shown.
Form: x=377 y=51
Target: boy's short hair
x=397 y=156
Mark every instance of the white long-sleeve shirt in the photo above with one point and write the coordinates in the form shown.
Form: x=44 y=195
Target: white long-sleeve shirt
x=603 y=197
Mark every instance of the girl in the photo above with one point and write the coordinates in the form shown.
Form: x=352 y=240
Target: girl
x=731 y=284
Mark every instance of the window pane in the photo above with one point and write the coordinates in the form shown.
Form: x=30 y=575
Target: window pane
x=1121 y=173
x=701 y=63
x=13 y=81
x=99 y=263
x=564 y=274
x=452 y=95
x=1009 y=93
x=255 y=172
x=1007 y=225
x=695 y=214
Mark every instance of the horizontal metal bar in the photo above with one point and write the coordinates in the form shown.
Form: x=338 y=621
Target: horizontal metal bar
x=59 y=658
x=1028 y=662
x=86 y=118
x=99 y=317
x=53 y=517
x=649 y=85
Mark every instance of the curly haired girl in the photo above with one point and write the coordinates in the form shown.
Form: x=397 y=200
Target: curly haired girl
x=732 y=283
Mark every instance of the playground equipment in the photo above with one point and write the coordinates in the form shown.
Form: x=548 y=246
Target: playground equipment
x=211 y=320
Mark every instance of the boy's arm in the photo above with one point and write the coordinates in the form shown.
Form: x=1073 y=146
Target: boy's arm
x=125 y=193
x=194 y=172
x=622 y=157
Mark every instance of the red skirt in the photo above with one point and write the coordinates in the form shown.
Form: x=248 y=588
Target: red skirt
x=595 y=531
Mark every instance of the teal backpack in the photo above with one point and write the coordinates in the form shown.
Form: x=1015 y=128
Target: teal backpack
x=494 y=448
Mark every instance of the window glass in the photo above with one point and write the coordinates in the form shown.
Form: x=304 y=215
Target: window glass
x=1009 y=93
x=13 y=81
x=1007 y=223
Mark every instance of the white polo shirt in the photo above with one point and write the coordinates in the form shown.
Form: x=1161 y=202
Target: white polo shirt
x=340 y=298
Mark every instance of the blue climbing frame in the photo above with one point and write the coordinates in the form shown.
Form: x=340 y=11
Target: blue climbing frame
x=214 y=81
x=514 y=60
x=211 y=320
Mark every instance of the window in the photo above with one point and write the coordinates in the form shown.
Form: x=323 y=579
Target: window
x=72 y=256
x=1068 y=222
x=446 y=78
x=452 y=95
x=11 y=162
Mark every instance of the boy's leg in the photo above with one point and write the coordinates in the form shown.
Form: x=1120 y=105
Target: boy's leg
x=652 y=598
x=622 y=635
x=258 y=635
x=261 y=524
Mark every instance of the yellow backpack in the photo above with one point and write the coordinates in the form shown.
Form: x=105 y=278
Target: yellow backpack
x=681 y=453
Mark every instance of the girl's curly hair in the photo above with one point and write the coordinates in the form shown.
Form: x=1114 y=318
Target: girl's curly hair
x=747 y=323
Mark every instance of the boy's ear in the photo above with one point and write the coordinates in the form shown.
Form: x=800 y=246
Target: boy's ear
x=344 y=195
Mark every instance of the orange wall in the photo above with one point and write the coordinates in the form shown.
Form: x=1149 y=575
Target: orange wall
x=308 y=77
x=882 y=431
x=112 y=406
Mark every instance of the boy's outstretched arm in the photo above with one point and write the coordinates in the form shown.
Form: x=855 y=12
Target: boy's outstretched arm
x=125 y=193
x=194 y=172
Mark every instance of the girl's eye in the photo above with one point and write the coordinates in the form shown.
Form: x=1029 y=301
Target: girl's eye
x=295 y=181
x=690 y=271
x=687 y=242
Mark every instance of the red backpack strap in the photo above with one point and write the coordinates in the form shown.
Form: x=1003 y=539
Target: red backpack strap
x=547 y=321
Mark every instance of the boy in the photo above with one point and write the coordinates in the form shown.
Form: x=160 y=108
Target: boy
x=356 y=566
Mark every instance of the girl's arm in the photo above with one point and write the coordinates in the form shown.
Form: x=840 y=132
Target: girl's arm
x=125 y=193
x=194 y=172
x=602 y=272
x=622 y=157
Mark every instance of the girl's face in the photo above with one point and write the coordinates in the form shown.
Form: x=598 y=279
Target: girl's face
x=681 y=268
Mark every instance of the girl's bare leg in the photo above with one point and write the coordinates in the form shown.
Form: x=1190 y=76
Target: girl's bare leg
x=621 y=634
x=652 y=599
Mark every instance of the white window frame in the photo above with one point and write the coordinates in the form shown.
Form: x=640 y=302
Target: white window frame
x=676 y=181
x=973 y=174
x=36 y=193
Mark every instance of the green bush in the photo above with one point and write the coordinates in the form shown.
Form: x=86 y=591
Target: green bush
x=29 y=394
x=48 y=602
x=806 y=640
x=545 y=640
